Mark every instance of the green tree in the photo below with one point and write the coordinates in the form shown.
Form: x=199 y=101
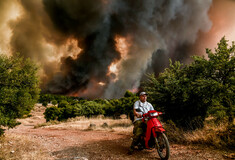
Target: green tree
x=221 y=69
x=188 y=93
x=19 y=88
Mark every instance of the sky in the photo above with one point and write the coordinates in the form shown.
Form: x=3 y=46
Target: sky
x=100 y=49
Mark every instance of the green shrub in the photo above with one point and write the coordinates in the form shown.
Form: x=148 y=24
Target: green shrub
x=66 y=112
x=87 y=108
x=187 y=93
x=63 y=113
x=91 y=108
x=52 y=113
x=54 y=102
x=45 y=104
x=62 y=104
x=19 y=88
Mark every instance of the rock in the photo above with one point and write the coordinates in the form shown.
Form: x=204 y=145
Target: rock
x=105 y=125
x=92 y=126
x=116 y=116
x=123 y=116
x=100 y=116
x=80 y=158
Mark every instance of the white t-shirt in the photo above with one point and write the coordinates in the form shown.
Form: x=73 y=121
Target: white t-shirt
x=142 y=107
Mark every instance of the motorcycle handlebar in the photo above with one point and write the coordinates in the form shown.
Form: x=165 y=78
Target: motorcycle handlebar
x=148 y=114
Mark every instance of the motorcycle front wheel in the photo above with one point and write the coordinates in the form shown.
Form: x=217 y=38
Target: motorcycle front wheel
x=162 y=146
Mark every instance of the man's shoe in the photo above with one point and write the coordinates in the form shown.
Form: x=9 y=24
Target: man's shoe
x=130 y=151
x=140 y=147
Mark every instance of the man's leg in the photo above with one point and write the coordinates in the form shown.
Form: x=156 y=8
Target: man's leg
x=138 y=132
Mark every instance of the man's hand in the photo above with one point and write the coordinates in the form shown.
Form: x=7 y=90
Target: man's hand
x=138 y=115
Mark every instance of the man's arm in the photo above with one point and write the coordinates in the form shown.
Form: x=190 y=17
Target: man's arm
x=151 y=107
x=136 y=113
x=135 y=107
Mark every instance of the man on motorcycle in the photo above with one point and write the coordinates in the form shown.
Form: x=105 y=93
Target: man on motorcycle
x=140 y=107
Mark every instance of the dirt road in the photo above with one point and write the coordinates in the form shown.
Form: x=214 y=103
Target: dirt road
x=70 y=144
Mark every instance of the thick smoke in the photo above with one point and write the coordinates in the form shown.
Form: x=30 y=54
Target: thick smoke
x=6 y=14
x=156 y=30
x=154 y=26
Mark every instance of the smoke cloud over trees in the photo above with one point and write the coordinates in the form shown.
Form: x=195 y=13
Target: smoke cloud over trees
x=101 y=48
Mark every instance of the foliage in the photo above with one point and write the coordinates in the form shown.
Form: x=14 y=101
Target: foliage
x=188 y=93
x=45 y=103
x=63 y=104
x=124 y=105
x=52 y=113
x=81 y=107
x=48 y=98
x=92 y=108
x=19 y=88
x=129 y=94
x=54 y=102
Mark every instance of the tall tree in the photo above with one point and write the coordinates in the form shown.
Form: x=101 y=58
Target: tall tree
x=188 y=93
x=19 y=89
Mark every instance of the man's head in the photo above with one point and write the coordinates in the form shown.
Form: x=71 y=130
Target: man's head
x=143 y=96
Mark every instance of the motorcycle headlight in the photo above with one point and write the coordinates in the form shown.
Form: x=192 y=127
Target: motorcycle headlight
x=154 y=114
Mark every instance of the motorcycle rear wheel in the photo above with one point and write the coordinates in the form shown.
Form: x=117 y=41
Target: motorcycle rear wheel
x=164 y=147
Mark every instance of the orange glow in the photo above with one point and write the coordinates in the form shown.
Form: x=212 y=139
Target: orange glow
x=72 y=49
x=101 y=83
x=93 y=89
x=134 y=90
x=223 y=23
x=113 y=71
x=122 y=45
x=113 y=68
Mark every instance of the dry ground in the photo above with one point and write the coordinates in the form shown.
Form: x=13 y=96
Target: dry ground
x=74 y=140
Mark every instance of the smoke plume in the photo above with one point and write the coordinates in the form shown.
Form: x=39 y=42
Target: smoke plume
x=102 y=48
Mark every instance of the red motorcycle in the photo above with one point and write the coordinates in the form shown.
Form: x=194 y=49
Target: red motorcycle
x=154 y=135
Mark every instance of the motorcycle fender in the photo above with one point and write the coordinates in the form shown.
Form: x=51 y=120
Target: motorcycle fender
x=159 y=129
x=156 y=122
x=150 y=129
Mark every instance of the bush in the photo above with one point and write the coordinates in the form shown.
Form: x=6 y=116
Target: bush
x=47 y=98
x=19 y=88
x=67 y=112
x=45 y=104
x=52 y=113
x=91 y=108
x=81 y=107
x=54 y=102
x=63 y=104
x=188 y=93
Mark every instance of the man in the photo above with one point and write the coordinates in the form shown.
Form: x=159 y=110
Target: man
x=140 y=107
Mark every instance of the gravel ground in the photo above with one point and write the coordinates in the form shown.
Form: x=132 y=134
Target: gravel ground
x=70 y=144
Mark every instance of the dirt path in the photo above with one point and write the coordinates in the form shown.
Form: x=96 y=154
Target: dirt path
x=70 y=144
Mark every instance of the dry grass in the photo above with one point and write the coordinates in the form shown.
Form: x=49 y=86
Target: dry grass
x=95 y=123
x=15 y=147
x=220 y=136
x=217 y=135
x=46 y=124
